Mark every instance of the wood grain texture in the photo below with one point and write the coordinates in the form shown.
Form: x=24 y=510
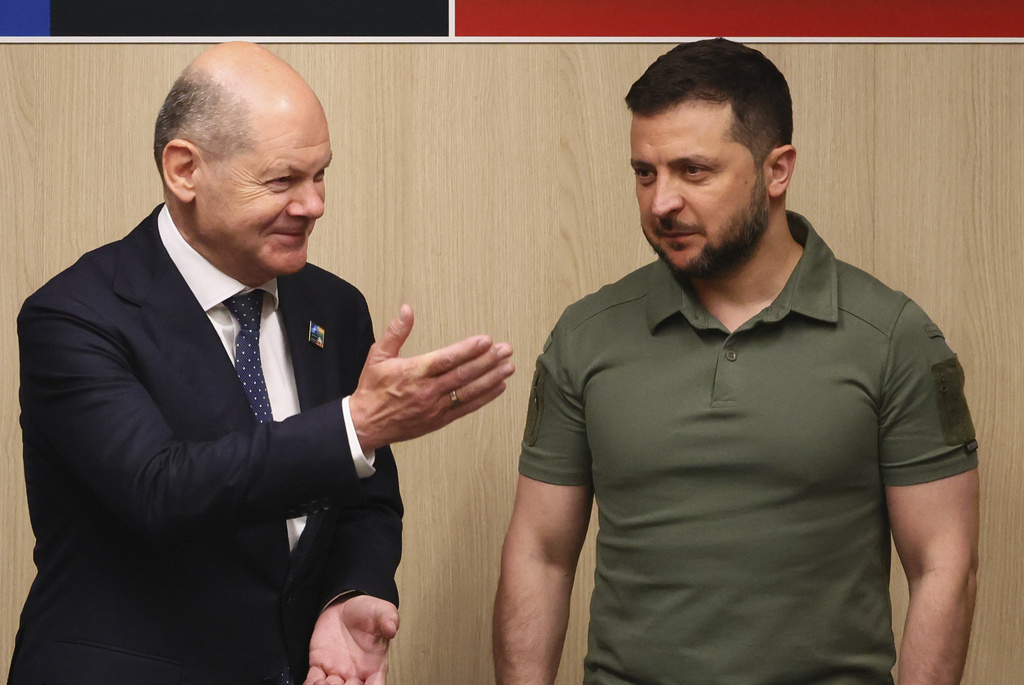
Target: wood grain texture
x=948 y=231
x=489 y=187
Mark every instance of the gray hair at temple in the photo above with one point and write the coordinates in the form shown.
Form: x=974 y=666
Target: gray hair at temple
x=205 y=113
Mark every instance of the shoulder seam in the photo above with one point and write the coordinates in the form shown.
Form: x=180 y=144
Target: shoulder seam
x=602 y=310
x=888 y=345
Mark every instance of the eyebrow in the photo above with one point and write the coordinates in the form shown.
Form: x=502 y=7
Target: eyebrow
x=291 y=170
x=690 y=160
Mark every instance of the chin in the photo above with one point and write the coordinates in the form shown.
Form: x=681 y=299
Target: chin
x=292 y=266
x=289 y=263
x=680 y=262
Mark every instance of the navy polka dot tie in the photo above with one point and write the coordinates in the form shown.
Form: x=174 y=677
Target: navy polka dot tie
x=247 y=308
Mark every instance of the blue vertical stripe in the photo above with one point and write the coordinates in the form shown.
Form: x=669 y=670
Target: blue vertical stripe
x=24 y=17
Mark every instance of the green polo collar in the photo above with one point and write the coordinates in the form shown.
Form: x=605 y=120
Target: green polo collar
x=811 y=289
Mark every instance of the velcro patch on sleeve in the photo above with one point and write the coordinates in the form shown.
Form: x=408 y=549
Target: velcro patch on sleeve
x=536 y=408
x=954 y=415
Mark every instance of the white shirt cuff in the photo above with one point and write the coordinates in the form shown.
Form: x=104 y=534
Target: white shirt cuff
x=363 y=462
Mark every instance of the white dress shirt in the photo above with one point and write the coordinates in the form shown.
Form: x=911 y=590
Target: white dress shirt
x=211 y=287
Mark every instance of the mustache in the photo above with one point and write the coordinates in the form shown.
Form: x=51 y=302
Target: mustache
x=672 y=225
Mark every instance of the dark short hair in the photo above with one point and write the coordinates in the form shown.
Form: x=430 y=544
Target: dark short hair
x=721 y=71
x=205 y=113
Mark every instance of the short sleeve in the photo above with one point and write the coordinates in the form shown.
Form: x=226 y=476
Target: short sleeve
x=555 y=448
x=925 y=427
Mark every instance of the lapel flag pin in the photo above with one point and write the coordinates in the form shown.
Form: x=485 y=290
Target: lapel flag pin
x=316 y=334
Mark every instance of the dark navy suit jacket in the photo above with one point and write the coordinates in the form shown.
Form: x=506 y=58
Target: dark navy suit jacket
x=158 y=503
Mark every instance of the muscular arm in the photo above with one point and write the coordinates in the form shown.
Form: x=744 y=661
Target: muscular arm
x=538 y=565
x=935 y=528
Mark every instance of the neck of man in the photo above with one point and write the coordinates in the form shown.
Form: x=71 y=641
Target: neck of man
x=178 y=213
x=737 y=296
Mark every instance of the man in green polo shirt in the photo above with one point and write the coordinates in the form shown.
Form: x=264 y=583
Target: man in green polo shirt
x=753 y=418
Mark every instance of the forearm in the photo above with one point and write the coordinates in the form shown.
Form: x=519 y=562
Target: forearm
x=531 y=614
x=937 y=629
x=367 y=543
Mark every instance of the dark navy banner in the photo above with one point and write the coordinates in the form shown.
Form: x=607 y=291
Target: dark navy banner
x=223 y=18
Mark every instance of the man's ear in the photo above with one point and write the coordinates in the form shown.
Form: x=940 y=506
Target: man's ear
x=778 y=170
x=181 y=161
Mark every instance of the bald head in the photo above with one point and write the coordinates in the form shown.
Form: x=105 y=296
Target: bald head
x=218 y=97
x=243 y=146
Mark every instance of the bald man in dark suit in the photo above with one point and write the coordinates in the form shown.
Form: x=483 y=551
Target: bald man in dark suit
x=206 y=418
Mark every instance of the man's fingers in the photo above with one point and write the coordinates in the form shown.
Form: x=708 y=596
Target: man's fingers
x=478 y=374
x=397 y=332
x=494 y=378
x=315 y=676
x=440 y=362
x=481 y=390
x=401 y=399
x=480 y=399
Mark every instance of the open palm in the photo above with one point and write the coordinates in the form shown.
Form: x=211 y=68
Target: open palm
x=350 y=642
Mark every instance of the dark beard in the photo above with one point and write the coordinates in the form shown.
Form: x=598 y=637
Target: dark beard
x=739 y=242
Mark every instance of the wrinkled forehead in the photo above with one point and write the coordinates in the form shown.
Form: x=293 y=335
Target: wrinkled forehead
x=691 y=120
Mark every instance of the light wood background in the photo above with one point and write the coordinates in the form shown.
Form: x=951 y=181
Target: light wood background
x=489 y=186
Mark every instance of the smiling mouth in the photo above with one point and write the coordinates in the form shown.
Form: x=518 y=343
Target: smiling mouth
x=292 y=238
x=295 y=232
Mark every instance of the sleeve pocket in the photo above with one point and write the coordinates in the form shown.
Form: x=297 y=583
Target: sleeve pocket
x=954 y=416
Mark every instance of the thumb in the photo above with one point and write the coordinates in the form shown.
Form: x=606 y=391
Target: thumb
x=387 y=619
x=394 y=337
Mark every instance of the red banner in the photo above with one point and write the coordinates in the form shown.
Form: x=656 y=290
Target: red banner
x=741 y=18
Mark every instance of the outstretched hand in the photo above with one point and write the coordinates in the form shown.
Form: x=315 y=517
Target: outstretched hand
x=350 y=642
x=400 y=399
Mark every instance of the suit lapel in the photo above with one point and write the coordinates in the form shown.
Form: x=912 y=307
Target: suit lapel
x=176 y=326
x=300 y=305
x=298 y=310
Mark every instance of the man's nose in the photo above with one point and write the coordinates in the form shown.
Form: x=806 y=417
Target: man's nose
x=308 y=201
x=667 y=198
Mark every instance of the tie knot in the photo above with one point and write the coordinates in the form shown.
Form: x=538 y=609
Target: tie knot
x=247 y=308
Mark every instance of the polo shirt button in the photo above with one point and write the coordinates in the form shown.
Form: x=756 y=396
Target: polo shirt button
x=731 y=355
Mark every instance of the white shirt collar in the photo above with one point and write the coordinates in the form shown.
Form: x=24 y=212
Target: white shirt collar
x=210 y=285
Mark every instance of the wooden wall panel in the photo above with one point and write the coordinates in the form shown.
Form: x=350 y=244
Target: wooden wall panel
x=834 y=134
x=489 y=187
x=948 y=231
x=18 y=109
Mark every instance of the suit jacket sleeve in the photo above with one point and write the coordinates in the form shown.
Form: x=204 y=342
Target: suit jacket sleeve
x=154 y=429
